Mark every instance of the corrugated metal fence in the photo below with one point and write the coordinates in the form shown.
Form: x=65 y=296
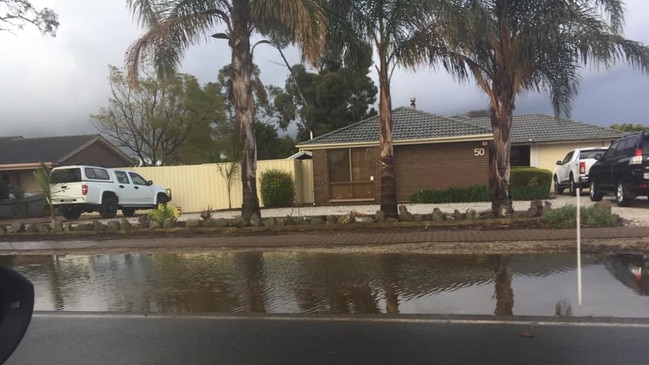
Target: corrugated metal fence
x=197 y=187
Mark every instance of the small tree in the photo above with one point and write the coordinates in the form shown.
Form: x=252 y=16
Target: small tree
x=42 y=175
x=229 y=171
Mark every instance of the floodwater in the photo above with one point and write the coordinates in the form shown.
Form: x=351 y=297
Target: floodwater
x=301 y=282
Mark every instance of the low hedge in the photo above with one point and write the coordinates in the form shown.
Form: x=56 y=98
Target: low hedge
x=526 y=183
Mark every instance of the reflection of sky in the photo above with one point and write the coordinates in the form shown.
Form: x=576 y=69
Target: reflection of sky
x=291 y=282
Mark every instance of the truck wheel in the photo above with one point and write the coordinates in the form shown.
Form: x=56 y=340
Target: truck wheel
x=128 y=212
x=572 y=187
x=622 y=195
x=108 y=207
x=595 y=195
x=161 y=199
x=70 y=212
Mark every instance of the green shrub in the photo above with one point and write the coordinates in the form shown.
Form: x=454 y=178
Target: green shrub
x=523 y=176
x=164 y=212
x=529 y=183
x=566 y=217
x=475 y=193
x=277 y=188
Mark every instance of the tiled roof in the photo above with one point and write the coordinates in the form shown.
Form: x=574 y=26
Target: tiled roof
x=16 y=150
x=547 y=128
x=407 y=124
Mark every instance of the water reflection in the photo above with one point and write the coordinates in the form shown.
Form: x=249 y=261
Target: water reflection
x=632 y=270
x=279 y=282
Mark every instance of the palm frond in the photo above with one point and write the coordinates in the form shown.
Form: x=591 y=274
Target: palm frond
x=304 y=19
x=165 y=42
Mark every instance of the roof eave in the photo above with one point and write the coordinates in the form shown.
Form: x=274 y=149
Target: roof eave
x=326 y=146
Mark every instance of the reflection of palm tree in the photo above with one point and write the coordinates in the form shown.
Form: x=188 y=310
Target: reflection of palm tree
x=503 y=279
x=253 y=263
x=390 y=268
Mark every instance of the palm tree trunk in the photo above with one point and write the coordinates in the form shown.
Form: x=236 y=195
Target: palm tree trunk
x=499 y=161
x=386 y=156
x=244 y=108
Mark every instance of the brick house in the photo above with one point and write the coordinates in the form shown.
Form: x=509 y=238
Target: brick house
x=433 y=152
x=430 y=152
x=19 y=156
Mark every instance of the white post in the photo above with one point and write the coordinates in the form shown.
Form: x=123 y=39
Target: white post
x=579 y=246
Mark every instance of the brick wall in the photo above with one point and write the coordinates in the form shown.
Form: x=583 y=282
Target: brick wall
x=439 y=166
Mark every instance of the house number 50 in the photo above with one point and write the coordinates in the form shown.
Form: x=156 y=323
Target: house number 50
x=478 y=151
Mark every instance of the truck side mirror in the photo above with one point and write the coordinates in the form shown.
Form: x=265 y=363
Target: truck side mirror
x=150 y=182
x=16 y=308
x=558 y=162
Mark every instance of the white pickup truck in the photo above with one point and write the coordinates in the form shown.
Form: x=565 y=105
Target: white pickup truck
x=572 y=172
x=81 y=188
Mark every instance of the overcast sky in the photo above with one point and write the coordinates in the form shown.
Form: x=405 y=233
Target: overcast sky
x=50 y=86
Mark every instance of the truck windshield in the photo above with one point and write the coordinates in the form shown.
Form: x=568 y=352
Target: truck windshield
x=65 y=176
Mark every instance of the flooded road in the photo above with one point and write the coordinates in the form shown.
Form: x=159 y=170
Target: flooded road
x=281 y=282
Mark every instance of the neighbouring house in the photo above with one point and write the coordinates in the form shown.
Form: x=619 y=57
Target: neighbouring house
x=540 y=140
x=20 y=156
x=434 y=152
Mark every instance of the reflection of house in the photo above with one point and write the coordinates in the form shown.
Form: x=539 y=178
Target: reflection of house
x=433 y=152
x=20 y=156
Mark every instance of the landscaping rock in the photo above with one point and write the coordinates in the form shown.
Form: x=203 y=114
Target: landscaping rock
x=154 y=225
x=458 y=216
x=42 y=227
x=16 y=227
x=125 y=224
x=363 y=219
x=317 y=220
x=168 y=223
x=31 y=228
x=536 y=208
x=332 y=219
x=379 y=216
x=471 y=214
x=67 y=227
x=99 y=227
x=391 y=220
x=82 y=227
x=280 y=221
x=57 y=226
x=438 y=215
x=418 y=217
x=404 y=215
x=221 y=222
x=3 y=230
x=143 y=221
x=113 y=226
x=604 y=205
x=346 y=219
x=270 y=222
x=256 y=221
x=547 y=206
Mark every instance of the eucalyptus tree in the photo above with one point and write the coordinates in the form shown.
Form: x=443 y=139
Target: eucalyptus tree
x=15 y=14
x=395 y=29
x=174 y=25
x=513 y=46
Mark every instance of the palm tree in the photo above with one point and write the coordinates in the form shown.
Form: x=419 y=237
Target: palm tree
x=394 y=29
x=173 y=26
x=512 y=46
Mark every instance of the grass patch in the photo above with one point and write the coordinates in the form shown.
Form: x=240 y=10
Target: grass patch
x=566 y=217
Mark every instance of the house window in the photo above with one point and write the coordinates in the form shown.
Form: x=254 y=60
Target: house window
x=520 y=156
x=351 y=174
